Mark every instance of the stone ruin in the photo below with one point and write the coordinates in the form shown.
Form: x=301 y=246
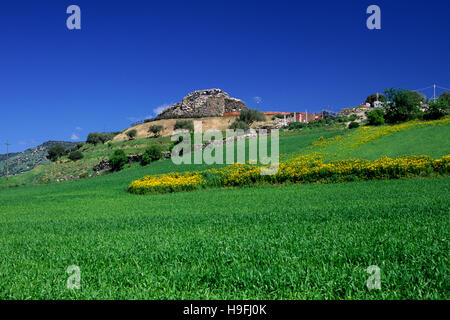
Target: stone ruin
x=203 y=103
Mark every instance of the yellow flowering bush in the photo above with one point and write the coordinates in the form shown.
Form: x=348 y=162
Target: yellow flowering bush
x=170 y=182
x=303 y=169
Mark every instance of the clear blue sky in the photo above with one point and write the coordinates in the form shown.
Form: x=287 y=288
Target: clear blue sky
x=130 y=57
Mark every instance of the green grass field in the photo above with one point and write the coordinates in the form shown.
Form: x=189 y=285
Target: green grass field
x=274 y=242
x=291 y=242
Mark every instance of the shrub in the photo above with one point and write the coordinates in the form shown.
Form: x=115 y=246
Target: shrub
x=99 y=137
x=55 y=152
x=317 y=123
x=352 y=117
x=155 y=129
x=131 y=134
x=237 y=124
x=250 y=115
x=437 y=109
x=184 y=124
x=118 y=160
x=151 y=154
x=375 y=117
x=75 y=155
x=297 y=125
x=341 y=119
x=353 y=125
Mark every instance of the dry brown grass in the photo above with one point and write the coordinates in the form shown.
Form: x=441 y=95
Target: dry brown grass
x=218 y=123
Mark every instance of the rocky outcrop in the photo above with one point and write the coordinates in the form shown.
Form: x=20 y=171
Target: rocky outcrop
x=203 y=103
x=361 y=112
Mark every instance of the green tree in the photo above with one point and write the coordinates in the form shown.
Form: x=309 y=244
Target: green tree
x=155 y=129
x=402 y=105
x=152 y=153
x=56 y=152
x=250 y=115
x=416 y=96
x=375 y=117
x=445 y=96
x=118 y=160
x=436 y=109
x=99 y=137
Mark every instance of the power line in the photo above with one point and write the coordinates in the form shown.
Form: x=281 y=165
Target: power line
x=443 y=88
x=422 y=89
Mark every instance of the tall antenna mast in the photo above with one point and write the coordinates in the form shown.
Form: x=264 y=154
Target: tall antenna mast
x=434 y=92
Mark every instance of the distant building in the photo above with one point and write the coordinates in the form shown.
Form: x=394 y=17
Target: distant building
x=289 y=117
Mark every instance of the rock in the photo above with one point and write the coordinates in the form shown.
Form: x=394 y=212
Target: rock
x=134 y=158
x=203 y=103
x=360 y=111
x=102 y=165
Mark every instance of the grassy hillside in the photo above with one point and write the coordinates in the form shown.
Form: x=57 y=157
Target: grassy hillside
x=413 y=138
x=94 y=154
x=333 y=143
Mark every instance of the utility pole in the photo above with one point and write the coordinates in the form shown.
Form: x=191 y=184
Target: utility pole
x=7 y=172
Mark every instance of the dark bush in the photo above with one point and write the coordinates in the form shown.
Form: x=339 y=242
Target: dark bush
x=250 y=115
x=353 y=125
x=436 y=110
x=375 y=117
x=297 y=125
x=352 y=117
x=118 y=160
x=151 y=154
x=56 y=152
x=80 y=145
x=237 y=124
x=341 y=119
x=131 y=134
x=75 y=155
x=184 y=124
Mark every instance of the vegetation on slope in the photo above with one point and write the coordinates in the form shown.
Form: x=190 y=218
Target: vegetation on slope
x=27 y=160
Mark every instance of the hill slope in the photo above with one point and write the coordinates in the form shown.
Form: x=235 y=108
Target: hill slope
x=27 y=160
